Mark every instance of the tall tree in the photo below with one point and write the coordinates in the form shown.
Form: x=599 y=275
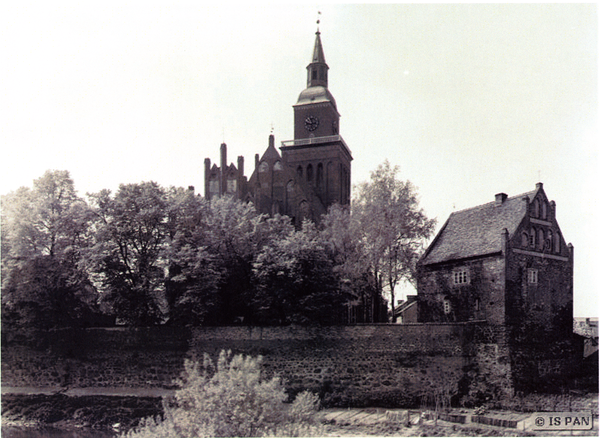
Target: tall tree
x=296 y=282
x=345 y=235
x=130 y=235
x=395 y=228
x=193 y=273
x=44 y=231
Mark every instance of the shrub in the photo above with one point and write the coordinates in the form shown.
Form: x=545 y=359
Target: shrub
x=231 y=399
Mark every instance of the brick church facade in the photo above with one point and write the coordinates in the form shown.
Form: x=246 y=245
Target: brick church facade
x=309 y=173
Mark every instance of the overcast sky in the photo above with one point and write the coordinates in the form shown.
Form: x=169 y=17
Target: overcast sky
x=469 y=100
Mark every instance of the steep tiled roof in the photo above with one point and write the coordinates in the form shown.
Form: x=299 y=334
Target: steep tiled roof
x=477 y=231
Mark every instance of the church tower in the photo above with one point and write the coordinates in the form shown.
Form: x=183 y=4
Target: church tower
x=318 y=154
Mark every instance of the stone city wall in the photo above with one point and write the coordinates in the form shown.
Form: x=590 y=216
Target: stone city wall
x=386 y=364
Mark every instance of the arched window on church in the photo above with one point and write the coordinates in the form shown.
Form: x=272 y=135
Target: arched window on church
x=309 y=173
x=299 y=171
x=536 y=208
x=263 y=167
x=277 y=166
x=532 y=237
x=557 y=242
x=524 y=240
x=320 y=175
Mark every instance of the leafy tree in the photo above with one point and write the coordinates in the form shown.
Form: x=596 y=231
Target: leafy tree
x=126 y=259
x=296 y=282
x=194 y=274
x=344 y=232
x=394 y=227
x=44 y=231
x=232 y=399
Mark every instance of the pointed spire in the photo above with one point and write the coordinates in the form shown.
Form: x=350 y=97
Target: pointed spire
x=317 y=69
x=318 y=54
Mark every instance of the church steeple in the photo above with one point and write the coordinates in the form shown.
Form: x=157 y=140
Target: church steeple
x=317 y=69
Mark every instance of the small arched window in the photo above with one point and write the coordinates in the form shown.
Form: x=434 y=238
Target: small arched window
x=536 y=208
x=549 y=241
x=309 y=172
x=277 y=165
x=532 y=237
x=263 y=167
x=557 y=242
x=299 y=171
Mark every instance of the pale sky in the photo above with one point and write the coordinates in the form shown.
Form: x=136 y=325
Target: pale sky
x=469 y=100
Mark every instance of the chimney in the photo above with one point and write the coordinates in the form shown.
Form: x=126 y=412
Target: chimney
x=206 y=173
x=241 y=165
x=271 y=141
x=500 y=198
x=223 y=168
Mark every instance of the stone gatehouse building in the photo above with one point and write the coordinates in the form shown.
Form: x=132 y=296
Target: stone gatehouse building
x=505 y=263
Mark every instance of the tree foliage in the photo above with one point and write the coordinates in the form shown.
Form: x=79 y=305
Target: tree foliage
x=45 y=230
x=130 y=235
x=394 y=228
x=148 y=255
x=296 y=282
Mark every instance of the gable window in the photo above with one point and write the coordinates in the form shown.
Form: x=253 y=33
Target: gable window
x=549 y=241
x=536 y=208
x=544 y=210
x=263 y=167
x=524 y=239
x=532 y=237
x=557 y=242
x=277 y=166
x=541 y=240
x=532 y=276
x=461 y=276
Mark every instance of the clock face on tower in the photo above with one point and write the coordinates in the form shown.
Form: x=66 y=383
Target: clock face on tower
x=311 y=123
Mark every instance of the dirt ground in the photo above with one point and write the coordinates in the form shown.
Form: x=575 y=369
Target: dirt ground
x=106 y=416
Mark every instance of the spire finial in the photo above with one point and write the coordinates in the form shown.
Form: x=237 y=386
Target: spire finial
x=318 y=21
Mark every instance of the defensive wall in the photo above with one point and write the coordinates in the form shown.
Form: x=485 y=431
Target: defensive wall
x=375 y=364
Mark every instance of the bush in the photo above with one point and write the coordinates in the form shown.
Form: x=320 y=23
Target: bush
x=231 y=400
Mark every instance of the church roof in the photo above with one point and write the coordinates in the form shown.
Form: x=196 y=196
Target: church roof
x=271 y=154
x=477 y=231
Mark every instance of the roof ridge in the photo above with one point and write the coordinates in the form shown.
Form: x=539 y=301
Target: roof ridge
x=493 y=202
